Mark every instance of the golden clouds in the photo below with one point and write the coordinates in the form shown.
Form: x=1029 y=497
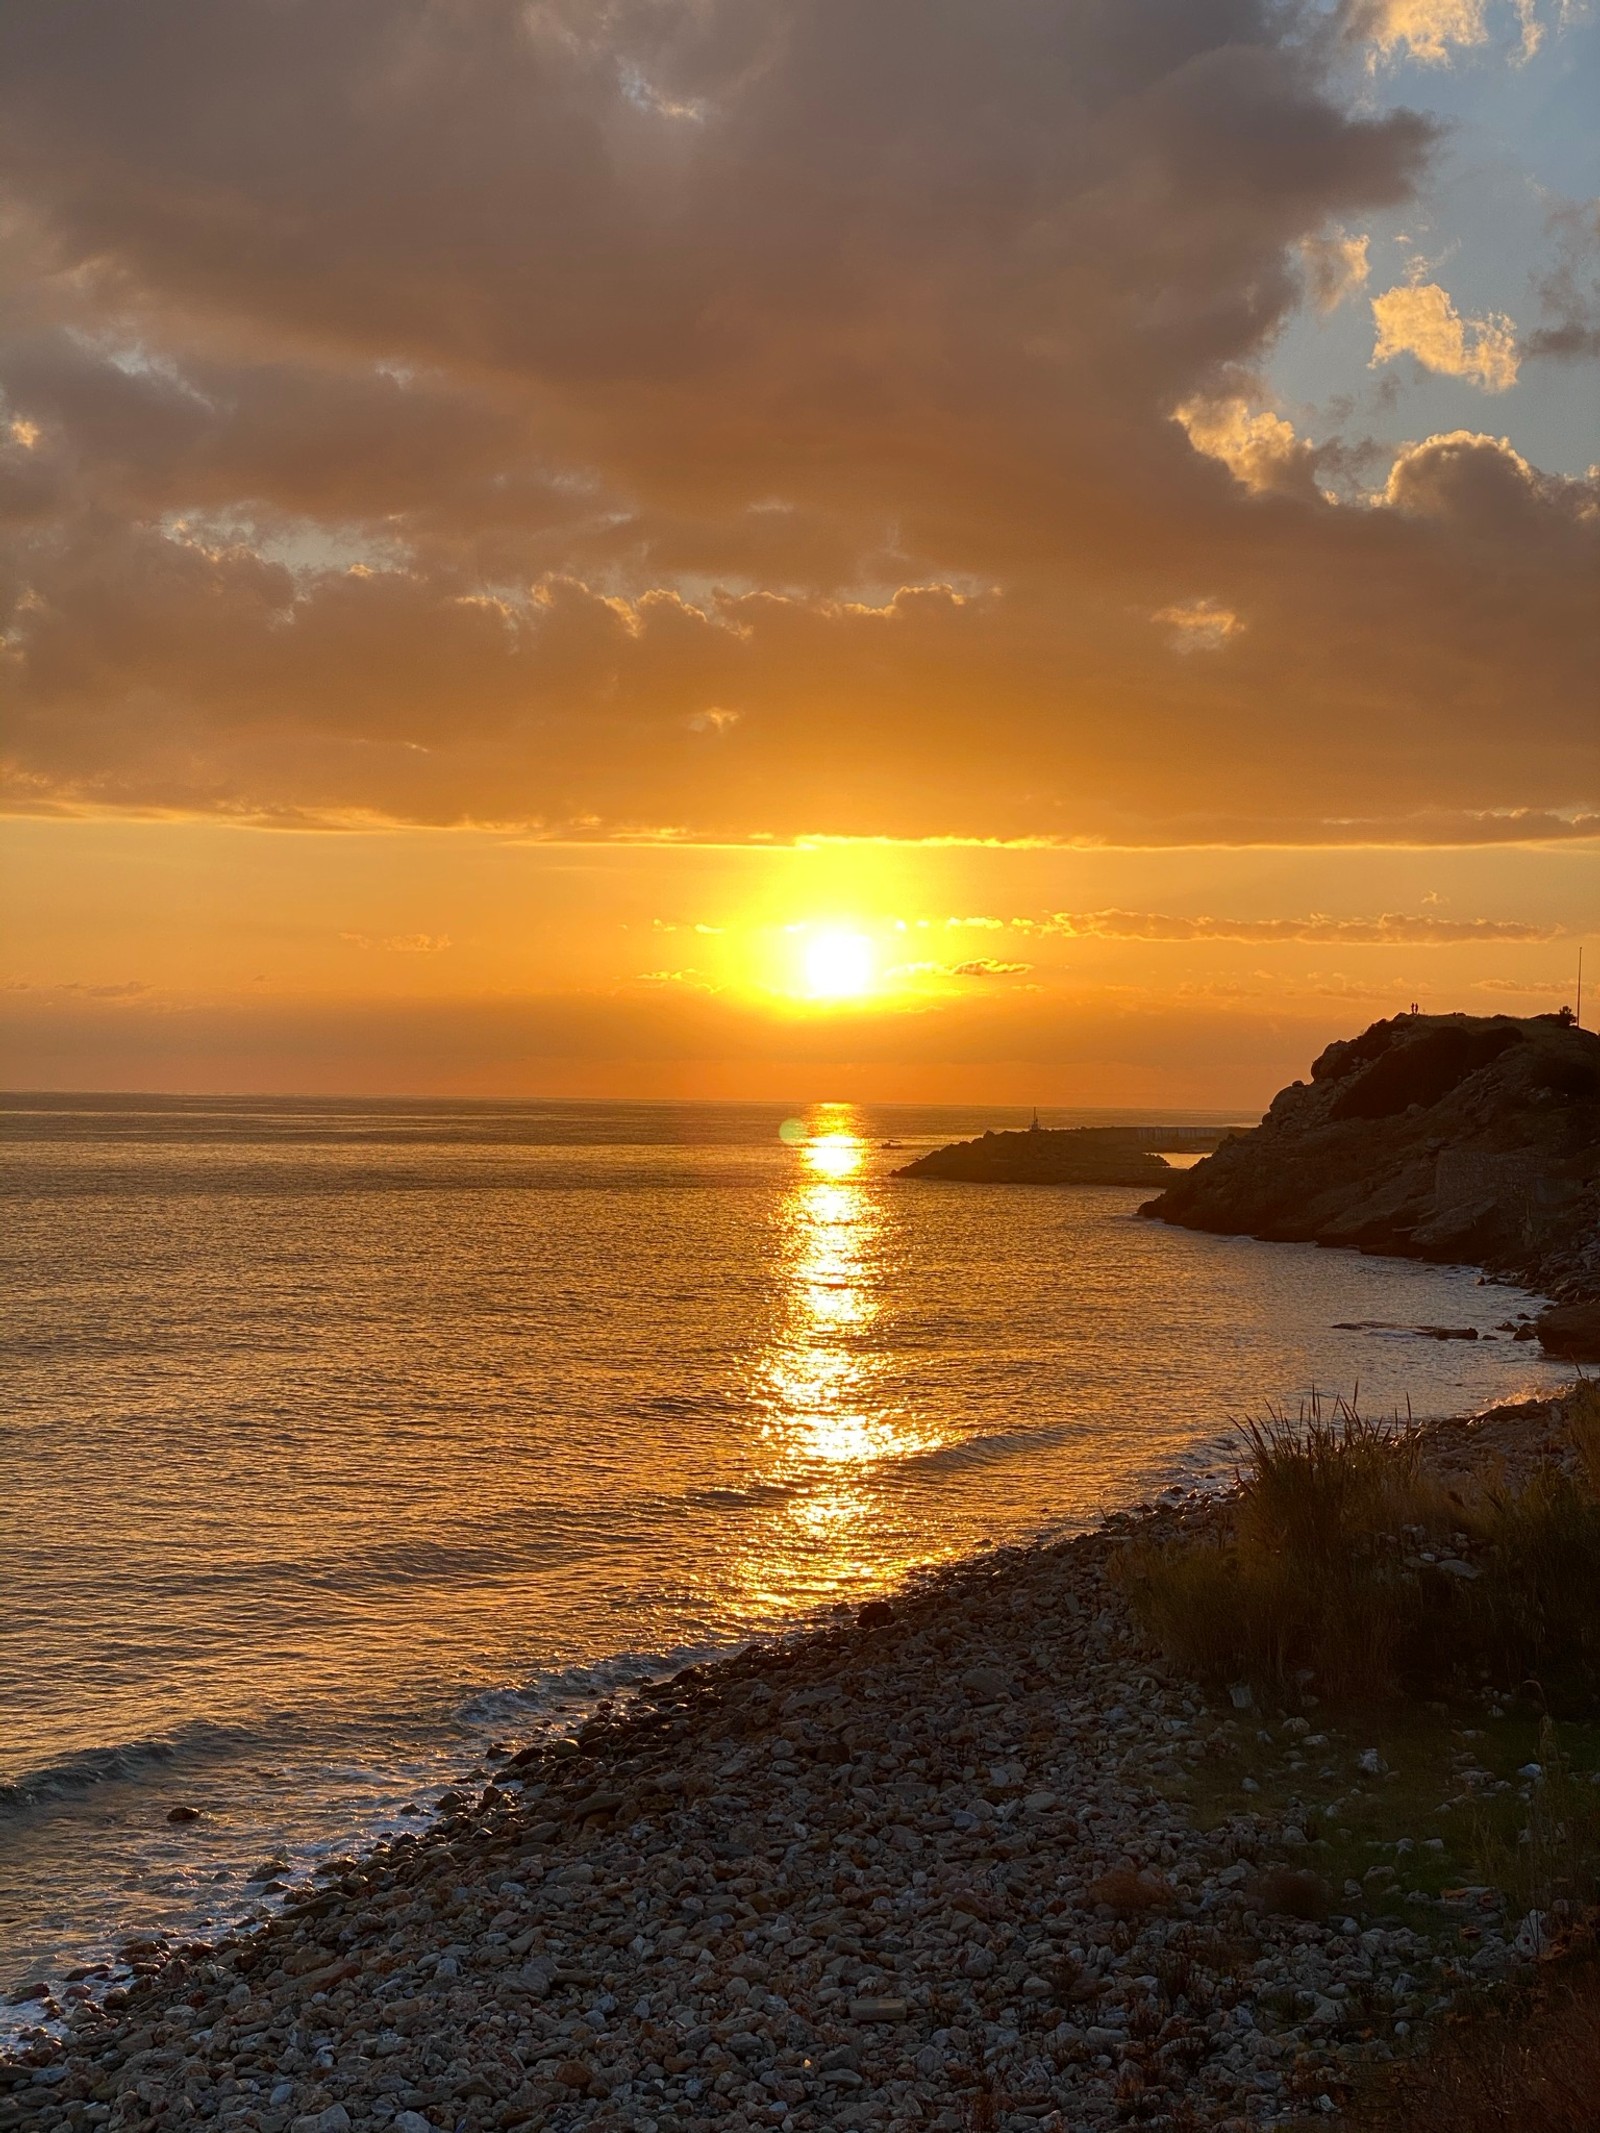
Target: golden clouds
x=1420 y=319
x=1429 y=30
x=702 y=422
x=1259 y=449
x=1199 y=625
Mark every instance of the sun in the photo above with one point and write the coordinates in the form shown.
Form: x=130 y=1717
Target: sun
x=838 y=965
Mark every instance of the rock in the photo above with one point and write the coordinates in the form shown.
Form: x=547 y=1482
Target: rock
x=595 y=1803
x=1571 y=1331
x=573 y=2074
x=1444 y=1137
x=334 y=2119
x=986 y=1683
x=411 y=2122
x=183 y=1814
x=1081 y=1155
x=877 y=2010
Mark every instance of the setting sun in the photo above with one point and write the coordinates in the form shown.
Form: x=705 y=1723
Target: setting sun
x=838 y=965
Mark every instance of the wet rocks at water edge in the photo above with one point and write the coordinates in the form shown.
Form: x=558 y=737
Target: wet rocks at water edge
x=932 y=1868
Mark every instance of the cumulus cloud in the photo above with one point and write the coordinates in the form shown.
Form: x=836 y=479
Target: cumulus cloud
x=1336 y=266
x=1393 y=929
x=1419 y=319
x=1259 y=449
x=732 y=418
x=1483 y=486
x=1429 y=30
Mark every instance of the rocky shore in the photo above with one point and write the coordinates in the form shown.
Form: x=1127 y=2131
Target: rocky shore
x=1473 y=1139
x=974 y=1858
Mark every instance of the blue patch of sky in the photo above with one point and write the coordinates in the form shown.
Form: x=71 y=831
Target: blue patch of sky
x=1520 y=144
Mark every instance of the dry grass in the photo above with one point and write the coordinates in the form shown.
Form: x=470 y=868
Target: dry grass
x=1301 y=1586
x=1528 y=2063
x=1130 y=1894
x=1318 y=1582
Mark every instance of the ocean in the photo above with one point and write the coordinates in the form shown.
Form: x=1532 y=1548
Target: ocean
x=341 y=1441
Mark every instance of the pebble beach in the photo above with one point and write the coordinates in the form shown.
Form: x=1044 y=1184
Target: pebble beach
x=939 y=1865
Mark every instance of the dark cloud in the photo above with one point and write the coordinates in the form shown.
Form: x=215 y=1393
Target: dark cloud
x=729 y=419
x=1569 y=294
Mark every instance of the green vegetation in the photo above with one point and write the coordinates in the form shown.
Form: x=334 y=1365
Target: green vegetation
x=1348 y=1570
x=1415 y=1677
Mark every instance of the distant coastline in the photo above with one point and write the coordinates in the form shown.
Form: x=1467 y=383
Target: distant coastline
x=1074 y=1155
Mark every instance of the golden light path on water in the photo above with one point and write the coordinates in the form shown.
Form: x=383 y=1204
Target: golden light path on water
x=822 y=1384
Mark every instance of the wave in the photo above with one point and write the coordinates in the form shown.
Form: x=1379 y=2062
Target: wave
x=990 y=1450
x=119 y=1761
x=581 y=1684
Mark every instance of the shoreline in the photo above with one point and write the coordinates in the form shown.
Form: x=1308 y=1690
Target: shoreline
x=306 y=1838
x=982 y=1840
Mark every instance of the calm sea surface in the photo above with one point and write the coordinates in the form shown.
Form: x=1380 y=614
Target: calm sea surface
x=339 y=1440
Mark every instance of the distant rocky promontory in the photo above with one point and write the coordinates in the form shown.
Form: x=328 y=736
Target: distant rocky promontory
x=1445 y=1137
x=1079 y=1155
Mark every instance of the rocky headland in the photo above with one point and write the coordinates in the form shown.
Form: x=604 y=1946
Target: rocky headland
x=977 y=1857
x=1078 y=1155
x=1458 y=1138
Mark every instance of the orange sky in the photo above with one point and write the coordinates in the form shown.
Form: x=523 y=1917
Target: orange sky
x=202 y=956
x=530 y=535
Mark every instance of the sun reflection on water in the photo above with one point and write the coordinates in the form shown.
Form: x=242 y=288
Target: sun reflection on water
x=830 y=1418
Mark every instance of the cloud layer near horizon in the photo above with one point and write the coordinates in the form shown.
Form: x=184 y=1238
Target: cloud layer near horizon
x=736 y=420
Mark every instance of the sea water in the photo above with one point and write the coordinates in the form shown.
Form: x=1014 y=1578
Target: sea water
x=342 y=1441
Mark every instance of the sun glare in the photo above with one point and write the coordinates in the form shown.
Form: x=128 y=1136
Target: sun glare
x=834 y=1155
x=838 y=966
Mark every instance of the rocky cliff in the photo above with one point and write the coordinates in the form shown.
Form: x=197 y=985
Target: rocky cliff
x=1447 y=1137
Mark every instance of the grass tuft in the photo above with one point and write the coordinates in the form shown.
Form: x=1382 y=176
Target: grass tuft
x=1323 y=1579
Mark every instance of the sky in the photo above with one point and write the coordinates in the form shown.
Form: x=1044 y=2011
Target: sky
x=1009 y=552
